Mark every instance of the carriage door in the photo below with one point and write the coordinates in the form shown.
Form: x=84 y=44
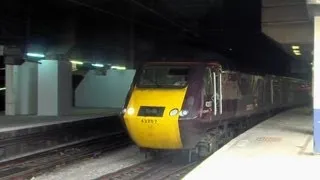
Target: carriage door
x=208 y=92
x=217 y=92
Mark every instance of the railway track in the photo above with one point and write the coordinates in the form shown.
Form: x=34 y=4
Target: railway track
x=29 y=166
x=170 y=167
x=23 y=142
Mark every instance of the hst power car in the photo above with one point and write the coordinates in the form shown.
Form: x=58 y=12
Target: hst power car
x=187 y=105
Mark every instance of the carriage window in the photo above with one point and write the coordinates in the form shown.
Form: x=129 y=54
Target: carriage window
x=164 y=77
x=244 y=85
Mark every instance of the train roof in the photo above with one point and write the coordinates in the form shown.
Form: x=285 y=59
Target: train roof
x=218 y=64
x=197 y=58
x=182 y=62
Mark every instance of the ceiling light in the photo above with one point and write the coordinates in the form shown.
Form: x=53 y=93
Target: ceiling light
x=36 y=55
x=98 y=65
x=118 y=67
x=76 y=62
x=2 y=89
x=295 y=47
x=296 y=51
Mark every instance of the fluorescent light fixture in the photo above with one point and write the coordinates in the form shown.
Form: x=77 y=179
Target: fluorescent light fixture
x=118 y=67
x=2 y=89
x=295 y=47
x=76 y=62
x=36 y=55
x=297 y=52
x=98 y=65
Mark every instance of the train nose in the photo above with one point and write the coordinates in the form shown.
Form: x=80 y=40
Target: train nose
x=154 y=126
x=154 y=132
x=152 y=118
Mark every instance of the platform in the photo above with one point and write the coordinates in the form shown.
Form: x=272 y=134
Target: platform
x=25 y=135
x=12 y=123
x=278 y=148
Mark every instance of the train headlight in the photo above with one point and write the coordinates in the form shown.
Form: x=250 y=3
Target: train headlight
x=184 y=113
x=130 y=111
x=174 y=112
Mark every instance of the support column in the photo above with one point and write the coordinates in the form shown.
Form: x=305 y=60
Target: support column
x=21 y=89
x=54 y=88
x=316 y=85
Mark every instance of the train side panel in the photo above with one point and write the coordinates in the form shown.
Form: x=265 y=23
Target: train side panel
x=245 y=94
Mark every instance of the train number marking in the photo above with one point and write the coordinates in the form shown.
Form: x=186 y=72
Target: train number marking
x=149 y=121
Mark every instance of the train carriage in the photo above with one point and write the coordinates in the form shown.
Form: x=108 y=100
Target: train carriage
x=182 y=105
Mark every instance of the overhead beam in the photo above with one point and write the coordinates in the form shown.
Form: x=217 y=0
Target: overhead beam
x=288 y=33
x=287 y=21
x=279 y=14
x=269 y=3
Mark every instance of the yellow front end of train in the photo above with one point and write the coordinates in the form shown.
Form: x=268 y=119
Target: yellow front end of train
x=158 y=131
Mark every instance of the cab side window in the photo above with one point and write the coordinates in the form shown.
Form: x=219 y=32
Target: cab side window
x=208 y=83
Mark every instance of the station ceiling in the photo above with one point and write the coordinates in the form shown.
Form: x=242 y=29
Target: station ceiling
x=224 y=24
x=193 y=20
x=195 y=16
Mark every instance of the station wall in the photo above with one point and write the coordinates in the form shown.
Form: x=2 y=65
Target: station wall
x=104 y=91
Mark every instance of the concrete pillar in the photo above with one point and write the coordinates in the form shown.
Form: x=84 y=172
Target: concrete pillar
x=316 y=85
x=21 y=89
x=54 y=88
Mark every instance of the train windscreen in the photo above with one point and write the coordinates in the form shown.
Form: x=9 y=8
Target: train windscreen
x=164 y=77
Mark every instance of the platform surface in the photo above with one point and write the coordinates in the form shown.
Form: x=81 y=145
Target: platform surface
x=10 y=123
x=278 y=148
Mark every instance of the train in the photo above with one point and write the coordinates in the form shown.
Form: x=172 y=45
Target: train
x=188 y=105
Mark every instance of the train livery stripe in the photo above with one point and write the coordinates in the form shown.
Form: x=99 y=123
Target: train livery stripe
x=155 y=132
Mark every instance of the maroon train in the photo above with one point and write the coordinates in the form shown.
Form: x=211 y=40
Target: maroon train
x=199 y=105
